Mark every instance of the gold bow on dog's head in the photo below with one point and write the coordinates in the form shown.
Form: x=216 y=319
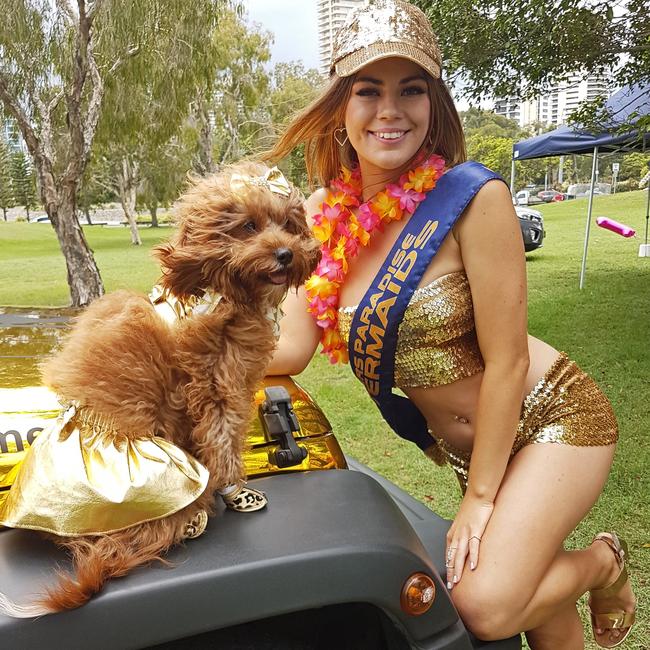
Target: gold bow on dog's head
x=273 y=180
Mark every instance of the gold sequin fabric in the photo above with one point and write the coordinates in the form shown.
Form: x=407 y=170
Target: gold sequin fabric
x=566 y=406
x=382 y=29
x=436 y=341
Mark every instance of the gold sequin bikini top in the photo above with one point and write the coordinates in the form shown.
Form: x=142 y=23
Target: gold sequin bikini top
x=436 y=340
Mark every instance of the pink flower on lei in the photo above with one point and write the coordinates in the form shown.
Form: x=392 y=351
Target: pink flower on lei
x=328 y=267
x=367 y=218
x=408 y=199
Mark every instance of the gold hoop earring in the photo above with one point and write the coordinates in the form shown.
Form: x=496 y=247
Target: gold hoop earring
x=341 y=136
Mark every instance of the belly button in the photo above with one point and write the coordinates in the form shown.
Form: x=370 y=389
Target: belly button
x=461 y=419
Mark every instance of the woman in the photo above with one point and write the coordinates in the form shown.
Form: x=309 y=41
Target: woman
x=482 y=386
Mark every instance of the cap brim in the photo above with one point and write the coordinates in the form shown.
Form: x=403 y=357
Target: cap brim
x=356 y=60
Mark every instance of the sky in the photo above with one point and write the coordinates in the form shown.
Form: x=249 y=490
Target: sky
x=294 y=27
x=293 y=24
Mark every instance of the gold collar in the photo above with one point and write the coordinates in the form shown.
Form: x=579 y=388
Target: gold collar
x=173 y=309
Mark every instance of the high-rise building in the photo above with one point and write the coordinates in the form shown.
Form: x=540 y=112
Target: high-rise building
x=555 y=106
x=331 y=15
x=10 y=133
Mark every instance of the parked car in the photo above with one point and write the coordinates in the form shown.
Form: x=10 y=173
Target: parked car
x=532 y=227
x=340 y=558
x=549 y=196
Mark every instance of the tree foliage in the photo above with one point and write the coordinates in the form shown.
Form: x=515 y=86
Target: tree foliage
x=23 y=181
x=487 y=123
x=229 y=107
x=149 y=97
x=292 y=89
x=163 y=174
x=520 y=47
x=6 y=185
x=490 y=138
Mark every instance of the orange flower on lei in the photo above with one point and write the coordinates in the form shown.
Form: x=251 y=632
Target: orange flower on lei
x=343 y=233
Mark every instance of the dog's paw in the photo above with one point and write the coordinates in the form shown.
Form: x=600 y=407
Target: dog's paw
x=196 y=526
x=245 y=499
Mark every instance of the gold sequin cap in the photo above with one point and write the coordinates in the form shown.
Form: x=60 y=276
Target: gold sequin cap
x=382 y=29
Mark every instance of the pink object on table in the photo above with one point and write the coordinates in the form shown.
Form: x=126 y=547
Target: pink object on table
x=615 y=226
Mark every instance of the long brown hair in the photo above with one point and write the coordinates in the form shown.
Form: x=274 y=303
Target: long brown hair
x=315 y=125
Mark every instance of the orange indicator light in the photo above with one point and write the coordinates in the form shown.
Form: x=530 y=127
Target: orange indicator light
x=418 y=594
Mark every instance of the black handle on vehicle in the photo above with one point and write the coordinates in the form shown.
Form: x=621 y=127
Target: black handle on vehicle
x=279 y=422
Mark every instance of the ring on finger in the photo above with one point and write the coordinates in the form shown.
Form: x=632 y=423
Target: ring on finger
x=475 y=537
x=450 y=553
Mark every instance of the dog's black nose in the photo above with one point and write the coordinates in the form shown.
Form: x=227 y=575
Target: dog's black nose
x=284 y=256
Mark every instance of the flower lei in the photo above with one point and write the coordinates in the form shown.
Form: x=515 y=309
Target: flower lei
x=342 y=234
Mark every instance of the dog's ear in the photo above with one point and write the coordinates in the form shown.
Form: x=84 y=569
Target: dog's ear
x=295 y=214
x=182 y=273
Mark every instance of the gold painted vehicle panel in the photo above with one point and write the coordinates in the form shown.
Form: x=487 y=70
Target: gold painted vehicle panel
x=26 y=408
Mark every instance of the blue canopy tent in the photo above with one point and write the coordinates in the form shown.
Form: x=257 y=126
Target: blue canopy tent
x=624 y=107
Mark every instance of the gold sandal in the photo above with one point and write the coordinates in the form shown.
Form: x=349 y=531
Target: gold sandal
x=620 y=620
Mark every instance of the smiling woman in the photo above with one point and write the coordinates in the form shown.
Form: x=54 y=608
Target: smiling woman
x=422 y=285
x=388 y=115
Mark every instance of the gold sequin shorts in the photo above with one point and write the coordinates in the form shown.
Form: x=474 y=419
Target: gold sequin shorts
x=565 y=406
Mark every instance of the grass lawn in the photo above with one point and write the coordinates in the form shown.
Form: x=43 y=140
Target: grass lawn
x=605 y=328
x=32 y=268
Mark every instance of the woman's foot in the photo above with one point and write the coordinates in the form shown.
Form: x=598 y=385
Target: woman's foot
x=613 y=605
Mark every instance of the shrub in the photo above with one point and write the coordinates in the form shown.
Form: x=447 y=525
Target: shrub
x=628 y=185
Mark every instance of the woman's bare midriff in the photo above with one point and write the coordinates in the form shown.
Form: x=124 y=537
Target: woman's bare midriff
x=450 y=410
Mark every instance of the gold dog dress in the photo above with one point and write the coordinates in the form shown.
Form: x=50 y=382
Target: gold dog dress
x=82 y=476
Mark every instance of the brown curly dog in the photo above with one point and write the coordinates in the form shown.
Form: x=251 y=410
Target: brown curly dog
x=190 y=382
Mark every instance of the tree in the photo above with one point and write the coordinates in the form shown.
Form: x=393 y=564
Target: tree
x=163 y=175
x=6 y=186
x=494 y=152
x=516 y=47
x=23 y=181
x=93 y=190
x=228 y=111
x=148 y=99
x=489 y=140
x=521 y=47
x=292 y=88
x=487 y=123
x=634 y=166
x=55 y=59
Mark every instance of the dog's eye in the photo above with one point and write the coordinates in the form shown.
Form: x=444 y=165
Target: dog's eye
x=250 y=226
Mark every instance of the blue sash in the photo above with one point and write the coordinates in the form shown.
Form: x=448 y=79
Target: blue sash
x=373 y=333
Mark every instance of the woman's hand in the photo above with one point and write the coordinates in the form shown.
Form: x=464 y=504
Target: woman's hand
x=464 y=536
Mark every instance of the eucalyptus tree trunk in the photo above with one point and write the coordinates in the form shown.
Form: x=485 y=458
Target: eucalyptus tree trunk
x=232 y=150
x=574 y=171
x=83 y=276
x=153 y=211
x=205 y=164
x=127 y=182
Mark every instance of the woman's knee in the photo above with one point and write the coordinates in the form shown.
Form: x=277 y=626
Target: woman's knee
x=489 y=611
